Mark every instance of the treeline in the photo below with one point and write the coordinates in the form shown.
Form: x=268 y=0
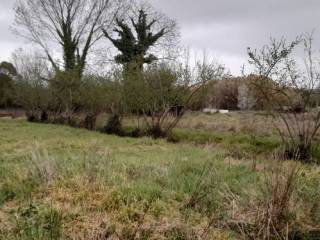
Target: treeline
x=60 y=92
x=146 y=77
x=159 y=95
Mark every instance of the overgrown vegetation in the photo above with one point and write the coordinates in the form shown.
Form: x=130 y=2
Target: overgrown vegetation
x=290 y=93
x=63 y=183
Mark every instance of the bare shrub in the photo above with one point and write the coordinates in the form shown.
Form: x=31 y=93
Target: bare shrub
x=268 y=215
x=170 y=91
x=290 y=92
x=273 y=214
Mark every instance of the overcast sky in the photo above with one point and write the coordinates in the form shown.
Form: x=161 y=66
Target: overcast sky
x=224 y=28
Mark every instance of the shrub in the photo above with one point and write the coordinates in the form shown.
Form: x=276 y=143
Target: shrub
x=289 y=93
x=114 y=126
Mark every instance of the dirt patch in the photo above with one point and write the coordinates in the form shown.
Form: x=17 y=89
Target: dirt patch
x=12 y=113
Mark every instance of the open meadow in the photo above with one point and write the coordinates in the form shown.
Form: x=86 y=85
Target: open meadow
x=159 y=120
x=58 y=182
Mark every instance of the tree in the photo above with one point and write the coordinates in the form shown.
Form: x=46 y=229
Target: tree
x=134 y=46
x=162 y=99
x=99 y=94
x=225 y=93
x=211 y=73
x=7 y=75
x=74 y=25
x=169 y=92
x=31 y=89
x=137 y=38
x=289 y=89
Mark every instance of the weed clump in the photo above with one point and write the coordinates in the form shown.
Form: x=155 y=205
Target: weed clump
x=180 y=233
x=35 y=222
x=6 y=194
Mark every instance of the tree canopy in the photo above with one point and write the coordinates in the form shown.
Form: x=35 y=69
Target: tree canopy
x=135 y=39
x=73 y=25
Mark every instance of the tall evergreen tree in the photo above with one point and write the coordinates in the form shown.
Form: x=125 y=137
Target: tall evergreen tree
x=135 y=41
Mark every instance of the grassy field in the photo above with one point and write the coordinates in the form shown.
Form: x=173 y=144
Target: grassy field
x=58 y=182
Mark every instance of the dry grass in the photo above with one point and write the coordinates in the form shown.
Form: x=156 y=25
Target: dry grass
x=234 y=122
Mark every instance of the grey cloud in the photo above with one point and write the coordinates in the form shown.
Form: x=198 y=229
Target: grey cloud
x=8 y=41
x=228 y=27
x=6 y=4
x=224 y=28
x=233 y=10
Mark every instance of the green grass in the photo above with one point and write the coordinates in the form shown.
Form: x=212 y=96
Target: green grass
x=58 y=182
x=244 y=142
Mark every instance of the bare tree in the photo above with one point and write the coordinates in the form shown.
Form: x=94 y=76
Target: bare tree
x=74 y=25
x=289 y=86
x=169 y=91
x=31 y=88
x=31 y=66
